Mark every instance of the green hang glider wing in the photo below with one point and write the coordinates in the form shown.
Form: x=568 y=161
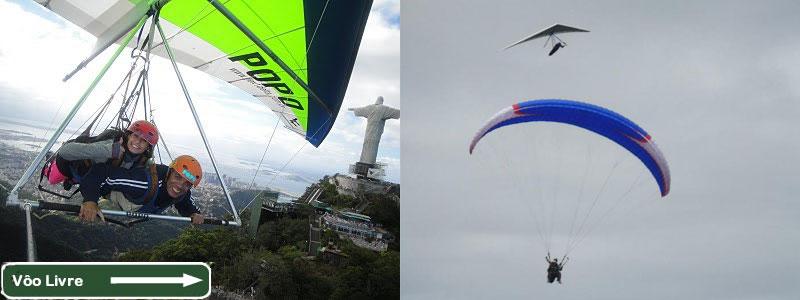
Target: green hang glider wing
x=317 y=40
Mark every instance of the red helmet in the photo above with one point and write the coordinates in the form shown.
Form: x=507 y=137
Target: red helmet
x=145 y=130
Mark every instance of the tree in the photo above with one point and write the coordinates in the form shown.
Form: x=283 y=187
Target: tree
x=284 y=231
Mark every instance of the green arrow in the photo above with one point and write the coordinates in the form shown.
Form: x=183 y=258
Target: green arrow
x=186 y=280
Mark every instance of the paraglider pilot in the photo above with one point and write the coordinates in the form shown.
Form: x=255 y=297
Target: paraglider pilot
x=554 y=268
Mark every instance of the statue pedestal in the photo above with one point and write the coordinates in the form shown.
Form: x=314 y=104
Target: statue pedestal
x=367 y=171
x=355 y=186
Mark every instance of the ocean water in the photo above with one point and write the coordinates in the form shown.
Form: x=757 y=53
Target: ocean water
x=29 y=135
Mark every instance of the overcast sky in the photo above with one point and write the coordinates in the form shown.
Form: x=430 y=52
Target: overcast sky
x=39 y=48
x=717 y=85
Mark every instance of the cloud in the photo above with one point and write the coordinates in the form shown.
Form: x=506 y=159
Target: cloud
x=389 y=10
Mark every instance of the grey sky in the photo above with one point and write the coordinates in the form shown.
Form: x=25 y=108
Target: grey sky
x=716 y=83
x=31 y=87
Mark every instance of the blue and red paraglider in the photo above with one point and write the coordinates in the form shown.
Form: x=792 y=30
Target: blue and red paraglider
x=591 y=117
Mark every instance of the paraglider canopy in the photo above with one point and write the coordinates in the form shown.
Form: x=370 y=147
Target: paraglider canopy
x=549 y=32
x=605 y=122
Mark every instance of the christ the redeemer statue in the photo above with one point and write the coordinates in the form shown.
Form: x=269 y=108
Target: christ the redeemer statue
x=376 y=115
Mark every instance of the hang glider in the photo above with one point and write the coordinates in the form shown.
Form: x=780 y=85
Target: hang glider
x=550 y=32
x=295 y=56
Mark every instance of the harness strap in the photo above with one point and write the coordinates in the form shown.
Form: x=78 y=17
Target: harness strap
x=44 y=172
x=152 y=190
x=116 y=147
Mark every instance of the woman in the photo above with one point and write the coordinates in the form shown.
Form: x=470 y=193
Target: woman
x=133 y=147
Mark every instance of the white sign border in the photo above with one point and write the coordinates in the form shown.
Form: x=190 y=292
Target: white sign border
x=3 y=270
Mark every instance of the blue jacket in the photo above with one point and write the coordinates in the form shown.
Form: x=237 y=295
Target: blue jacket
x=134 y=183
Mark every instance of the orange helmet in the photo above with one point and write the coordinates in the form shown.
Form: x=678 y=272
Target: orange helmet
x=188 y=167
x=145 y=130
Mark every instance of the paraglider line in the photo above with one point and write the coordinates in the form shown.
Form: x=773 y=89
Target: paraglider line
x=580 y=194
x=617 y=203
x=597 y=197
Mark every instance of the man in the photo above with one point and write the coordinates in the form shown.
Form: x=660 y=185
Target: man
x=557 y=46
x=554 y=269
x=148 y=190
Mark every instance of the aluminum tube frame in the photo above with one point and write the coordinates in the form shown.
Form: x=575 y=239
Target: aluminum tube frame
x=138 y=215
x=31 y=241
x=197 y=121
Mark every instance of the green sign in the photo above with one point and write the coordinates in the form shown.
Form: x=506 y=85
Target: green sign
x=106 y=280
